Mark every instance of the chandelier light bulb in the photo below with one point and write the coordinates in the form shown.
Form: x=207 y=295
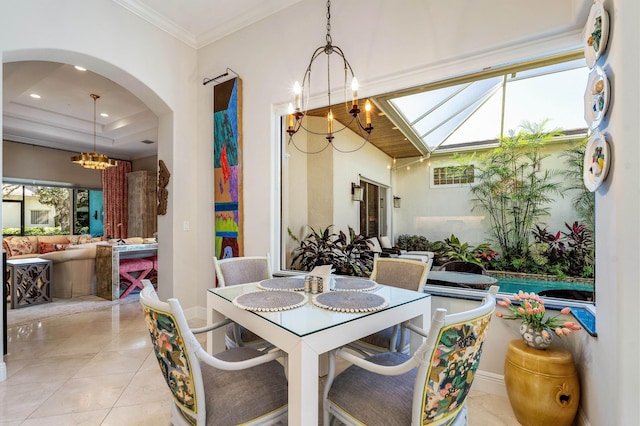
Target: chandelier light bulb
x=354 y=90
x=297 y=91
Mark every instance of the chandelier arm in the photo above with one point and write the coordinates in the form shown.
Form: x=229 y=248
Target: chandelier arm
x=293 y=142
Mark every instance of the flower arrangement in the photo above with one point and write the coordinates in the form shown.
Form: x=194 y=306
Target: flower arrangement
x=532 y=313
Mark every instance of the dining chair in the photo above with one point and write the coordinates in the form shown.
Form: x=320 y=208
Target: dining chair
x=395 y=272
x=429 y=387
x=237 y=386
x=242 y=270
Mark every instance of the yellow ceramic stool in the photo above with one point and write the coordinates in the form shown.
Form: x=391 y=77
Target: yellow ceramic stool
x=542 y=385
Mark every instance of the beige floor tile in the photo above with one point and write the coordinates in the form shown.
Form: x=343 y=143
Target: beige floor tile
x=87 y=418
x=130 y=340
x=146 y=386
x=113 y=362
x=50 y=369
x=20 y=400
x=150 y=363
x=76 y=345
x=152 y=414
x=85 y=394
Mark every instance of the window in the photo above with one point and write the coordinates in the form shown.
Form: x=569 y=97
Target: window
x=39 y=217
x=50 y=210
x=453 y=175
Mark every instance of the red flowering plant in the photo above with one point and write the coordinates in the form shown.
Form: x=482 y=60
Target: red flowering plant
x=531 y=311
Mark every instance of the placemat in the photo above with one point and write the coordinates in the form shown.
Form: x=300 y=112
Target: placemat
x=350 y=301
x=270 y=301
x=282 y=283
x=354 y=284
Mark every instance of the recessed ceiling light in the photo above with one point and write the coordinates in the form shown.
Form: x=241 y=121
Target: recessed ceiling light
x=79 y=68
x=147 y=142
x=394 y=128
x=104 y=114
x=35 y=96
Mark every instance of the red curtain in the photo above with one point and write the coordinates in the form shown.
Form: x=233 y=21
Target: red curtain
x=114 y=190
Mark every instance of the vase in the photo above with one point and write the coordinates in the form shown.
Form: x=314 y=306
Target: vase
x=542 y=385
x=535 y=338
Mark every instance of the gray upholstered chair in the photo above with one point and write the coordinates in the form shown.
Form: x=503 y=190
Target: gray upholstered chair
x=395 y=388
x=396 y=272
x=237 y=386
x=242 y=270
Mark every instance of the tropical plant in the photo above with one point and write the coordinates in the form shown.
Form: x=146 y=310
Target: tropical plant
x=323 y=247
x=584 y=201
x=513 y=190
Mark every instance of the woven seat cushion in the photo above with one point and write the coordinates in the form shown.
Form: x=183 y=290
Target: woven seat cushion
x=131 y=265
x=377 y=399
x=242 y=400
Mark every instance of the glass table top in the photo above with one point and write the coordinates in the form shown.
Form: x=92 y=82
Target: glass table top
x=310 y=318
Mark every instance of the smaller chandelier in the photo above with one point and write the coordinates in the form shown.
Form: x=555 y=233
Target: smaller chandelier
x=301 y=99
x=94 y=160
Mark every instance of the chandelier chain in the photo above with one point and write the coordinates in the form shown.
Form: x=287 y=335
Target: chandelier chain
x=328 y=38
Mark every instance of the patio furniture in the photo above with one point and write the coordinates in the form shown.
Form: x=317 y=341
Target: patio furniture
x=242 y=270
x=395 y=272
x=237 y=386
x=461 y=279
x=461 y=266
x=395 y=388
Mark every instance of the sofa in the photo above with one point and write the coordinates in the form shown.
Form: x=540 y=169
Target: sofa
x=73 y=260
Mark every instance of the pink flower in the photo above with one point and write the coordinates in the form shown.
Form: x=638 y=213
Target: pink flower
x=499 y=314
x=545 y=334
x=559 y=331
x=507 y=301
x=566 y=330
x=502 y=303
x=565 y=311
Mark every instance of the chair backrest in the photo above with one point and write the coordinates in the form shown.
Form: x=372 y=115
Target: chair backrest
x=461 y=266
x=403 y=273
x=454 y=344
x=241 y=270
x=174 y=346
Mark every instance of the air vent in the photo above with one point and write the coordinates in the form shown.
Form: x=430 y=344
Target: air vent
x=147 y=142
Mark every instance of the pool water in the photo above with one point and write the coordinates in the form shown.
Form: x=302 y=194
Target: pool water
x=514 y=285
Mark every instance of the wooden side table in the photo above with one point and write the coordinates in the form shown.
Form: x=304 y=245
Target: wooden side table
x=29 y=282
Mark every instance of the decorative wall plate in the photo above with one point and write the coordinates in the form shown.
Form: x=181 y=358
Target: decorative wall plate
x=596 y=33
x=596 y=97
x=596 y=161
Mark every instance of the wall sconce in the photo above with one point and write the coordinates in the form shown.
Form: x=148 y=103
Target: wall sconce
x=396 y=202
x=356 y=192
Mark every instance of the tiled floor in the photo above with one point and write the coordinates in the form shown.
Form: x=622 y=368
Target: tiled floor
x=96 y=368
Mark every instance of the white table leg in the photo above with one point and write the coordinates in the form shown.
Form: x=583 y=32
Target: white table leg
x=303 y=385
x=215 y=338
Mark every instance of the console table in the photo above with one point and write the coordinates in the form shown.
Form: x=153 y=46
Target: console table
x=28 y=282
x=108 y=265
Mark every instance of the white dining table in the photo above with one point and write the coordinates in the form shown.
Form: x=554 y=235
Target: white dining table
x=307 y=332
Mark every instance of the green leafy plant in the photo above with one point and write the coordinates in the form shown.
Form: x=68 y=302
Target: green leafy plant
x=513 y=190
x=351 y=256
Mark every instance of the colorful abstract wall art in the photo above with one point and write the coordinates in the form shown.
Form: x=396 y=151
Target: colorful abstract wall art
x=227 y=153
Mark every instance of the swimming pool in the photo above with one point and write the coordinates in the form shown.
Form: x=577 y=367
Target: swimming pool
x=514 y=285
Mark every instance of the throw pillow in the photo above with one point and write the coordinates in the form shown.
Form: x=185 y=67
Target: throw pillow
x=49 y=247
x=20 y=245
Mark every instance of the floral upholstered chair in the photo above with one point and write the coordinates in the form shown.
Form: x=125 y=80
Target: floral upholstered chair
x=428 y=388
x=242 y=270
x=237 y=386
x=396 y=272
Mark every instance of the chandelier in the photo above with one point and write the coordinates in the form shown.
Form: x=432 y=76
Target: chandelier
x=301 y=98
x=93 y=160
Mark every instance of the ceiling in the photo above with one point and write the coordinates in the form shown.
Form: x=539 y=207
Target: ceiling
x=63 y=116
